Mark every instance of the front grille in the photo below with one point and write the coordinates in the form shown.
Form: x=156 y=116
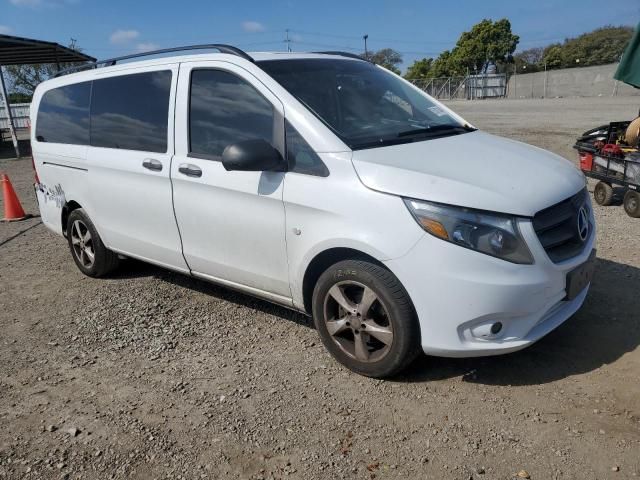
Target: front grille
x=557 y=227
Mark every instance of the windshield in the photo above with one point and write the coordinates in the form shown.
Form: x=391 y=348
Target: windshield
x=364 y=105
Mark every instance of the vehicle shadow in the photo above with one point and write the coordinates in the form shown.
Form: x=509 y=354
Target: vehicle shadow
x=136 y=269
x=605 y=328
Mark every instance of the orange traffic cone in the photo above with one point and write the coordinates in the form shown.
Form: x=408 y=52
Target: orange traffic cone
x=12 y=208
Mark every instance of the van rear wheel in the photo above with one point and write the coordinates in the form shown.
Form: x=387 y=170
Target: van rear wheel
x=88 y=252
x=365 y=318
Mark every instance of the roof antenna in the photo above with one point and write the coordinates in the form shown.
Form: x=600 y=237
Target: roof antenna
x=288 y=41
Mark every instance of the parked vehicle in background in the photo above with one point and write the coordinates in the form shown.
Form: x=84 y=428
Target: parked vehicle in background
x=323 y=183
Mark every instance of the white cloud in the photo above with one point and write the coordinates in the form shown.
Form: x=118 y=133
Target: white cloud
x=146 y=47
x=251 y=26
x=4 y=30
x=120 y=37
x=27 y=3
x=42 y=4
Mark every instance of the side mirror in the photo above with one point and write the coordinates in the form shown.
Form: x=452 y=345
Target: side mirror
x=253 y=156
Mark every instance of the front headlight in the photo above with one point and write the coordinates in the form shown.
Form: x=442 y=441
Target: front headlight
x=493 y=234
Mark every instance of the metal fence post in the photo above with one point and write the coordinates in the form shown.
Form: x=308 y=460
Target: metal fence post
x=532 y=80
x=5 y=98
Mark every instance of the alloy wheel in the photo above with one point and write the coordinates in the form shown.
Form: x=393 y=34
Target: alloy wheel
x=358 y=321
x=82 y=244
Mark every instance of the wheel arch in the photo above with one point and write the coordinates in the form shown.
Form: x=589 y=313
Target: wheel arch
x=324 y=260
x=67 y=208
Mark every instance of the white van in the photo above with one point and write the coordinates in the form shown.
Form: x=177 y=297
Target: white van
x=323 y=183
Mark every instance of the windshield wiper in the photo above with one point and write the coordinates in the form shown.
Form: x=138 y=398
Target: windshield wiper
x=405 y=137
x=382 y=142
x=445 y=129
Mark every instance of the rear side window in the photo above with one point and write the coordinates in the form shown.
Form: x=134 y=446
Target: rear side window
x=63 y=115
x=224 y=109
x=131 y=111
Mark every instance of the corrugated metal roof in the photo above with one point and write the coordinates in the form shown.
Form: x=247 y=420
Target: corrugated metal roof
x=26 y=51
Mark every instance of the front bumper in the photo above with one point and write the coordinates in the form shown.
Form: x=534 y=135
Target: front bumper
x=458 y=294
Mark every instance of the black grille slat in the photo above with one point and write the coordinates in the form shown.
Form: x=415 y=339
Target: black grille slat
x=557 y=228
x=547 y=221
x=556 y=236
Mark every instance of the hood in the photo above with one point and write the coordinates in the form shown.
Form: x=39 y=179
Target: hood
x=474 y=170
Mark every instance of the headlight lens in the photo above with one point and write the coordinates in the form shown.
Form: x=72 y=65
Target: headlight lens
x=491 y=234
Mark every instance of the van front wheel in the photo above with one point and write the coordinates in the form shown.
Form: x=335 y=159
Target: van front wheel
x=365 y=318
x=88 y=252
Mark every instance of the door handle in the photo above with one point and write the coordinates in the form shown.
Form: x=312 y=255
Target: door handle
x=190 y=170
x=152 y=164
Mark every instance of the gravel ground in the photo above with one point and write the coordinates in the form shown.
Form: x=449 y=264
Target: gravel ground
x=149 y=374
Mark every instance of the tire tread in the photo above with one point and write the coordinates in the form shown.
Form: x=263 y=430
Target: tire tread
x=402 y=302
x=106 y=260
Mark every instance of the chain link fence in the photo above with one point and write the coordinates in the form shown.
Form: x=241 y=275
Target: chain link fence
x=20 y=114
x=468 y=87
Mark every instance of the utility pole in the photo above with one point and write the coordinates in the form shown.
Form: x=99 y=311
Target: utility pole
x=288 y=41
x=72 y=45
x=366 y=52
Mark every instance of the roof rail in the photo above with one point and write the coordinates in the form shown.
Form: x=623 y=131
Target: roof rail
x=222 y=48
x=344 y=54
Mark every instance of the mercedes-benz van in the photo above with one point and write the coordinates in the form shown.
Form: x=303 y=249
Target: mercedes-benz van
x=323 y=183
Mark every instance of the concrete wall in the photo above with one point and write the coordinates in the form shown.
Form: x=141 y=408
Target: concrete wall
x=569 y=82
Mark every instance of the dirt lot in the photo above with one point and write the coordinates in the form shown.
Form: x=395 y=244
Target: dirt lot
x=149 y=374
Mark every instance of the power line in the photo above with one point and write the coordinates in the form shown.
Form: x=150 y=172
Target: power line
x=359 y=49
x=526 y=41
x=352 y=37
x=349 y=46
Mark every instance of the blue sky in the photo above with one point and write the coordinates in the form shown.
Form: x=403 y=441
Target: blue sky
x=414 y=28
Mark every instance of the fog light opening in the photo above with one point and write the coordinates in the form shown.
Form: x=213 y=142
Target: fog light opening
x=496 y=328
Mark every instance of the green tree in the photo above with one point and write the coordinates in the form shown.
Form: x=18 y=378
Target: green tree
x=387 y=58
x=486 y=40
x=419 y=69
x=601 y=46
x=442 y=66
x=25 y=78
x=19 y=98
x=552 y=56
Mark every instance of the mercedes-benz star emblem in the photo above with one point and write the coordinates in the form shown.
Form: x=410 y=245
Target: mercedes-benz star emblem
x=583 y=224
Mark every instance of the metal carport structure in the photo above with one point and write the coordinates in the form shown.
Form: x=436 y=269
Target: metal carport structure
x=27 y=51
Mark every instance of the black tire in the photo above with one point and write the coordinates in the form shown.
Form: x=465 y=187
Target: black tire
x=391 y=308
x=631 y=203
x=603 y=194
x=104 y=260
